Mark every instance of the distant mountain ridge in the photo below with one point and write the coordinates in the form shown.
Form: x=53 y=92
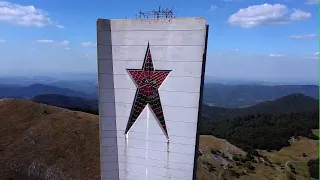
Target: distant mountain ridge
x=69 y=102
x=215 y=94
x=27 y=92
x=234 y=96
x=293 y=103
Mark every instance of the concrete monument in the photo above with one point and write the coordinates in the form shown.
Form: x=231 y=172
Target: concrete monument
x=150 y=84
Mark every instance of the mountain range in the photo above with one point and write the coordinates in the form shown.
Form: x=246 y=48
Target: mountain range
x=296 y=102
x=287 y=104
x=27 y=92
x=244 y=95
x=69 y=102
x=215 y=94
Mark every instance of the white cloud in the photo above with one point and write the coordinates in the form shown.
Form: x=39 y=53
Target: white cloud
x=3 y=41
x=316 y=54
x=312 y=2
x=61 y=43
x=315 y=57
x=52 y=42
x=87 y=44
x=23 y=15
x=305 y=36
x=67 y=48
x=45 y=41
x=275 y=55
x=299 y=15
x=237 y=50
x=227 y=0
x=213 y=8
x=60 y=26
x=256 y=15
x=84 y=55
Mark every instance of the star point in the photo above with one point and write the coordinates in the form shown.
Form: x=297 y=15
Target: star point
x=148 y=81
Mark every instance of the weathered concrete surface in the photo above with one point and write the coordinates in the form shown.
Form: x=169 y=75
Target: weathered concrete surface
x=145 y=153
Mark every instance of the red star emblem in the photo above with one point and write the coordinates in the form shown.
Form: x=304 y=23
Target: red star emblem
x=148 y=82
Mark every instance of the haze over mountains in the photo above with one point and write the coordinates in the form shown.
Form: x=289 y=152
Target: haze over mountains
x=296 y=102
x=69 y=102
x=228 y=95
x=243 y=95
x=27 y=92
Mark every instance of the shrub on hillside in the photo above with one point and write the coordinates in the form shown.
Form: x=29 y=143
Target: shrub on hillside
x=235 y=158
x=314 y=168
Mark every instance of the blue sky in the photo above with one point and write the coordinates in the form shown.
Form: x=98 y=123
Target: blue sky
x=248 y=39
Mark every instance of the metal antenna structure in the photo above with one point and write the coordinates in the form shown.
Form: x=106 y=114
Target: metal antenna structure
x=160 y=13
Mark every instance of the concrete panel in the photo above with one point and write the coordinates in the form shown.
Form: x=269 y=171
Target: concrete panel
x=155 y=163
x=111 y=174
x=108 y=147
x=177 y=114
x=138 y=168
x=124 y=109
x=180 y=114
x=109 y=158
x=109 y=142
x=108 y=166
x=105 y=67
x=107 y=109
x=175 y=24
x=169 y=165
x=109 y=150
x=108 y=134
x=173 y=99
x=107 y=123
x=156 y=155
x=183 y=129
x=131 y=152
x=172 y=173
x=159 y=53
x=175 y=128
x=179 y=99
x=170 y=84
x=156 y=38
x=156 y=137
x=107 y=95
x=173 y=157
x=128 y=175
x=175 y=83
x=178 y=69
x=104 y=81
x=149 y=144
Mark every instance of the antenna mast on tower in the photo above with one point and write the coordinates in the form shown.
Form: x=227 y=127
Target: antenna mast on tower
x=160 y=13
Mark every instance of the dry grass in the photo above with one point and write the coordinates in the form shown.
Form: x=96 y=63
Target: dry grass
x=262 y=171
x=206 y=144
x=294 y=151
x=40 y=141
x=210 y=142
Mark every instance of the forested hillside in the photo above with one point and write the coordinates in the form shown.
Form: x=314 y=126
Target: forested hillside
x=244 y=95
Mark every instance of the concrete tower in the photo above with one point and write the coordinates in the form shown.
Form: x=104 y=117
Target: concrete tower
x=150 y=82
